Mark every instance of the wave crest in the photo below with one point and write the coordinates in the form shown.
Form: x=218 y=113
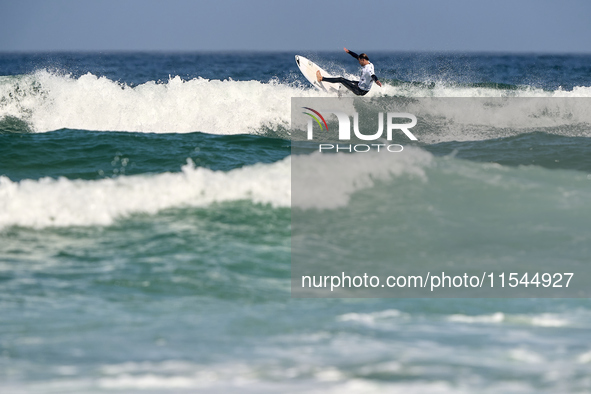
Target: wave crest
x=47 y=101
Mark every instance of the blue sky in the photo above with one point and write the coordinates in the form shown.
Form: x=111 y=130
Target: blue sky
x=227 y=25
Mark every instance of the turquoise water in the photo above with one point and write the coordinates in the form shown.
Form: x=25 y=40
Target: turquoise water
x=145 y=231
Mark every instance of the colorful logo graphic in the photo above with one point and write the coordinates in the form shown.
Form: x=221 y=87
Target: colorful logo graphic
x=315 y=118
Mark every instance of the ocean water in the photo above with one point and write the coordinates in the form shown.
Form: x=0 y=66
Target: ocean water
x=145 y=230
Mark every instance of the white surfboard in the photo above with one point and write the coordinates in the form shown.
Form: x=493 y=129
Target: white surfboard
x=309 y=68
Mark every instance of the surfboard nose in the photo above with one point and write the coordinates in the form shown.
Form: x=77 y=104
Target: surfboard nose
x=297 y=60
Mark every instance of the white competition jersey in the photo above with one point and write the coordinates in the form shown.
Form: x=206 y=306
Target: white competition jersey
x=366 y=72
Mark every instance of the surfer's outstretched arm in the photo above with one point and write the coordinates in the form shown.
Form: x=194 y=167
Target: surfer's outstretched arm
x=356 y=56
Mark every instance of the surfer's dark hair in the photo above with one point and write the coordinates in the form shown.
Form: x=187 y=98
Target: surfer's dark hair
x=363 y=56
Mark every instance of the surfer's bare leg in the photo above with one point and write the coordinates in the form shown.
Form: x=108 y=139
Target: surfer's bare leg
x=319 y=76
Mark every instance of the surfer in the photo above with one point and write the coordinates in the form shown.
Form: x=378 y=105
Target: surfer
x=361 y=87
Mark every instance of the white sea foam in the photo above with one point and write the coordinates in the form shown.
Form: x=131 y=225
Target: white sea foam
x=497 y=317
x=373 y=319
x=64 y=202
x=445 y=89
x=541 y=320
x=48 y=101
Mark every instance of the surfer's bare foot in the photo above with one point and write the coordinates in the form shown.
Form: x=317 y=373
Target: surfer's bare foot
x=318 y=76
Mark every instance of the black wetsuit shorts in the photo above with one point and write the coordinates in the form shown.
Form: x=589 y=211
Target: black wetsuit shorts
x=351 y=85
